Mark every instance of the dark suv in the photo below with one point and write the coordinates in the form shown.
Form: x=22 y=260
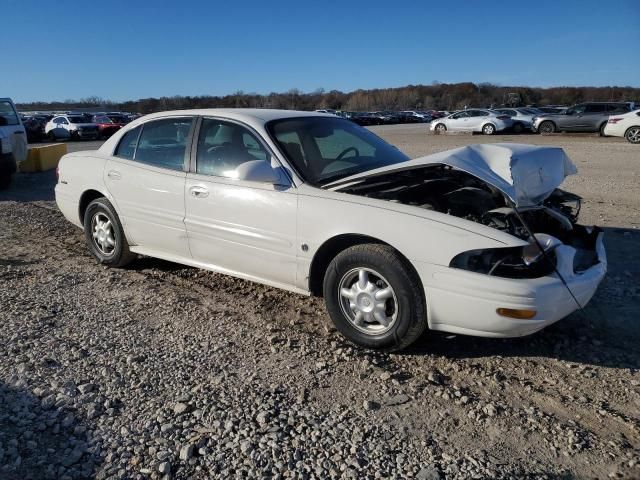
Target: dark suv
x=585 y=117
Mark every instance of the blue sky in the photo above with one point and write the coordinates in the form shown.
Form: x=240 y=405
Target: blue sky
x=122 y=50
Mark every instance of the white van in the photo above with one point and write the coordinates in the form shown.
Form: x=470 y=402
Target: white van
x=13 y=141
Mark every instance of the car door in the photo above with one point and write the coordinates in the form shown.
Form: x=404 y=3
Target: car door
x=474 y=120
x=62 y=129
x=12 y=126
x=458 y=121
x=572 y=119
x=236 y=226
x=146 y=176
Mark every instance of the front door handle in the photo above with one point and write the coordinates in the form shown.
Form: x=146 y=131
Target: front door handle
x=199 y=192
x=114 y=175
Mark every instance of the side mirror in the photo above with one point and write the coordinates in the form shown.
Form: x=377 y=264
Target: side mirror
x=258 y=171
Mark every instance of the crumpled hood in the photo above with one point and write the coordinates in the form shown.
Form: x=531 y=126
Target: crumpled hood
x=527 y=174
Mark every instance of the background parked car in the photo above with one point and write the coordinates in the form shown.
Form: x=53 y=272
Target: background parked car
x=472 y=120
x=550 y=109
x=522 y=117
x=415 y=116
x=626 y=125
x=71 y=127
x=585 y=117
x=106 y=125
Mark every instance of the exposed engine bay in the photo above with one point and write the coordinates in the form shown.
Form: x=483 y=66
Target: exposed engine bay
x=445 y=189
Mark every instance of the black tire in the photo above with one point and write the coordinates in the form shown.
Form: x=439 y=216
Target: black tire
x=547 y=127
x=440 y=128
x=5 y=179
x=601 y=129
x=120 y=255
x=411 y=319
x=633 y=135
x=518 y=127
x=489 y=129
x=52 y=136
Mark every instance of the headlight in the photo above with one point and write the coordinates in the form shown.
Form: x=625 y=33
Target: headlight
x=511 y=262
x=532 y=253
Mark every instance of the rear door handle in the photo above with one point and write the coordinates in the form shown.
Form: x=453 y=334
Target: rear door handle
x=199 y=192
x=114 y=175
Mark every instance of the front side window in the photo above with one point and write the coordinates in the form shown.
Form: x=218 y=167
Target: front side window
x=324 y=149
x=163 y=143
x=127 y=146
x=8 y=114
x=223 y=146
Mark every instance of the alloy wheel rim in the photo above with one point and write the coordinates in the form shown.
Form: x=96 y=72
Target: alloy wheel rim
x=634 y=135
x=488 y=129
x=368 y=301
x=102 y=233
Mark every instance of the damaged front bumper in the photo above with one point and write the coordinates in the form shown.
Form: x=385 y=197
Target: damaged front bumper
x=464 y=302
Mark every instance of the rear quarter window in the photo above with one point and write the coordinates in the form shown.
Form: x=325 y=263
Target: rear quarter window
x=127 y=147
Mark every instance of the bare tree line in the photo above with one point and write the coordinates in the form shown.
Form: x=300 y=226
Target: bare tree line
x=439 y=96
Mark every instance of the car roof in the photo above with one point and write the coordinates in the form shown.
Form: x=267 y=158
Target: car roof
x=249 y=115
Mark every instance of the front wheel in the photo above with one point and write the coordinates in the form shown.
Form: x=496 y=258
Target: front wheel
x=488 y=129
x=374 y=297
x=546 y=127
x=518 y=127
x=104 y=234
x=633 y=135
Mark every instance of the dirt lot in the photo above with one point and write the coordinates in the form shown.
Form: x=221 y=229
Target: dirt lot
x=159 y=370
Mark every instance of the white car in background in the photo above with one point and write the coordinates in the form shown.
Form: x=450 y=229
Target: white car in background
x=522 y=117
x=472 y=120
x=74 y=127
x=624 y=125
x=477 y=240
x=13 y=141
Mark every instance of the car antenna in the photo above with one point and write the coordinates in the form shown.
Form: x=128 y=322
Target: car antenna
x=546 y=256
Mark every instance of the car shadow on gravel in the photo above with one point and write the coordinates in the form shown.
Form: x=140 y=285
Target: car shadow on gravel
x=31 y=187
x=606 y=333
x=40 y=440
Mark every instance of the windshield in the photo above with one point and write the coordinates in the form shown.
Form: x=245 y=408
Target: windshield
x=77 y=119
x=102 y=119
x=324 y=149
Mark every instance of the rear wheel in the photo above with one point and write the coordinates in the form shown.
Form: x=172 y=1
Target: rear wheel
x=104 y=234
x=547 y=127
x=632 y=135
x=374 y=297
x=489 y=129
x=441 y=128
x=52 y=136
x=602 y=127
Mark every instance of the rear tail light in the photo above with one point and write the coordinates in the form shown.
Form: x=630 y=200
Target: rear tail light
x=613 y=121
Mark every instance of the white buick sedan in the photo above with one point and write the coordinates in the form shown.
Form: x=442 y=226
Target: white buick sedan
x=477 y=240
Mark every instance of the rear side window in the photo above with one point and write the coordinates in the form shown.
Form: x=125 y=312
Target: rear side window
x=596 y=108
x=127 y=146
x=8 y=114
x=163 y=143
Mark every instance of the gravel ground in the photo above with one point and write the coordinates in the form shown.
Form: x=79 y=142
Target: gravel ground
x=163 y=371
